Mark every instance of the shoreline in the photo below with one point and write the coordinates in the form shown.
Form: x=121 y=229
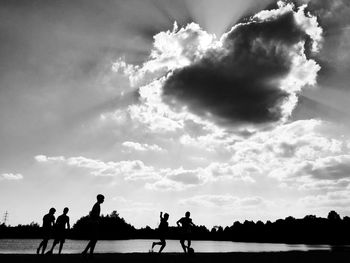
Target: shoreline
x=237 y=257
x=287 y=242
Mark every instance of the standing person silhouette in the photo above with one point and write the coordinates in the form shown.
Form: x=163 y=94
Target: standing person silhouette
x=94 y=219
x=48 y=222
x=186 y=224
x=60 y=231
x=162 y=229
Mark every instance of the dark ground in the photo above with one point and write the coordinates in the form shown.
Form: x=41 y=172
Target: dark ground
x=273 y=257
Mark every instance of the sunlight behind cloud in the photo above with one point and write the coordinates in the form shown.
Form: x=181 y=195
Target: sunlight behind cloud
x=255 y=70
x=217 y=16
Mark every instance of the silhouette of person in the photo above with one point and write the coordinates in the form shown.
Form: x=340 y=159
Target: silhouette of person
x=48 y=222
x=94 y=219
x=162 y=229
x=186 y=224
x=60 y=231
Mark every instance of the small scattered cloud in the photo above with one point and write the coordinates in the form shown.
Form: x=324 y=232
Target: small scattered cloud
x=241 y=172
x=179 y=179
x=11 y=176
x=226 y=201
x=163 y=179
x=182 y=179
x=141 y=147
x=326 y=185
x=129 y=170
x=293 y=151
x=43 y=158
x=328 y=168
x=332 y=200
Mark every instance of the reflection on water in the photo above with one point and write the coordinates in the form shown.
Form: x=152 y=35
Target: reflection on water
x=28 y=246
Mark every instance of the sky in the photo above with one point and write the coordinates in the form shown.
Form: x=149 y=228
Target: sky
x=231 y=109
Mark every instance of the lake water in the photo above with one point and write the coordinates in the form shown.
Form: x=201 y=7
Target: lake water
x=28 y=246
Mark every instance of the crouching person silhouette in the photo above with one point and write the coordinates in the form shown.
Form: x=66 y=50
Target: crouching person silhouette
x=162 y=229
x=60 y=231
x=95 y=220
x=186 y=225
x=48 y=222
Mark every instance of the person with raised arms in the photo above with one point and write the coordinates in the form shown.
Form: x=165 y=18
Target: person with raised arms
x=162 y=229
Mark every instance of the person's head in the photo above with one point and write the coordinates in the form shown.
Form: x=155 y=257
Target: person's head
x=52 y=210
x=100 y=198
x=65 y=210
x=187 y=214
x=166 y=216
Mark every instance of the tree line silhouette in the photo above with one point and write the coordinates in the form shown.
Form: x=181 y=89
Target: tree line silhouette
x=310 y=229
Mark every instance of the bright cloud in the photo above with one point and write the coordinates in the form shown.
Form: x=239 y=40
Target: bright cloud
x=11 y=176
x=171 y=50
x=299 y=152
x=141 y=147
x=155 y=178
x=129 y=170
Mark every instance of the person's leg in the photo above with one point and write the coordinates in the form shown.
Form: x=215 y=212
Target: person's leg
x=162 y=243
x=53 y=245
x=182 y=242
x=40 y=246
x=61 y=246
x=44 y=245
x=92 y=246
x=87 y=247
x=154 y=244
x=189 y=243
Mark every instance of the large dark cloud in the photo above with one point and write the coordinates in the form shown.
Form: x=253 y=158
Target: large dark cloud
x=240 y=82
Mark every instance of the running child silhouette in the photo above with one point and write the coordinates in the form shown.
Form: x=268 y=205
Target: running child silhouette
x=162 y=229
x=94 y=225
x=186 y=225
x=48 y=222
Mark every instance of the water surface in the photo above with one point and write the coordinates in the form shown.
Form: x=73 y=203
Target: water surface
x=28 y=246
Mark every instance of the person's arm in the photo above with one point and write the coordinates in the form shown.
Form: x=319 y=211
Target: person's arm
x=178 y=222
x=191 y=223
x=68 y=225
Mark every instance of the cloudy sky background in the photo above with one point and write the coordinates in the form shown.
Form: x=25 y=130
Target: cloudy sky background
x=231 y=113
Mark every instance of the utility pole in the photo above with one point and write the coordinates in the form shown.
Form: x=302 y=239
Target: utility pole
x=6 y=215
